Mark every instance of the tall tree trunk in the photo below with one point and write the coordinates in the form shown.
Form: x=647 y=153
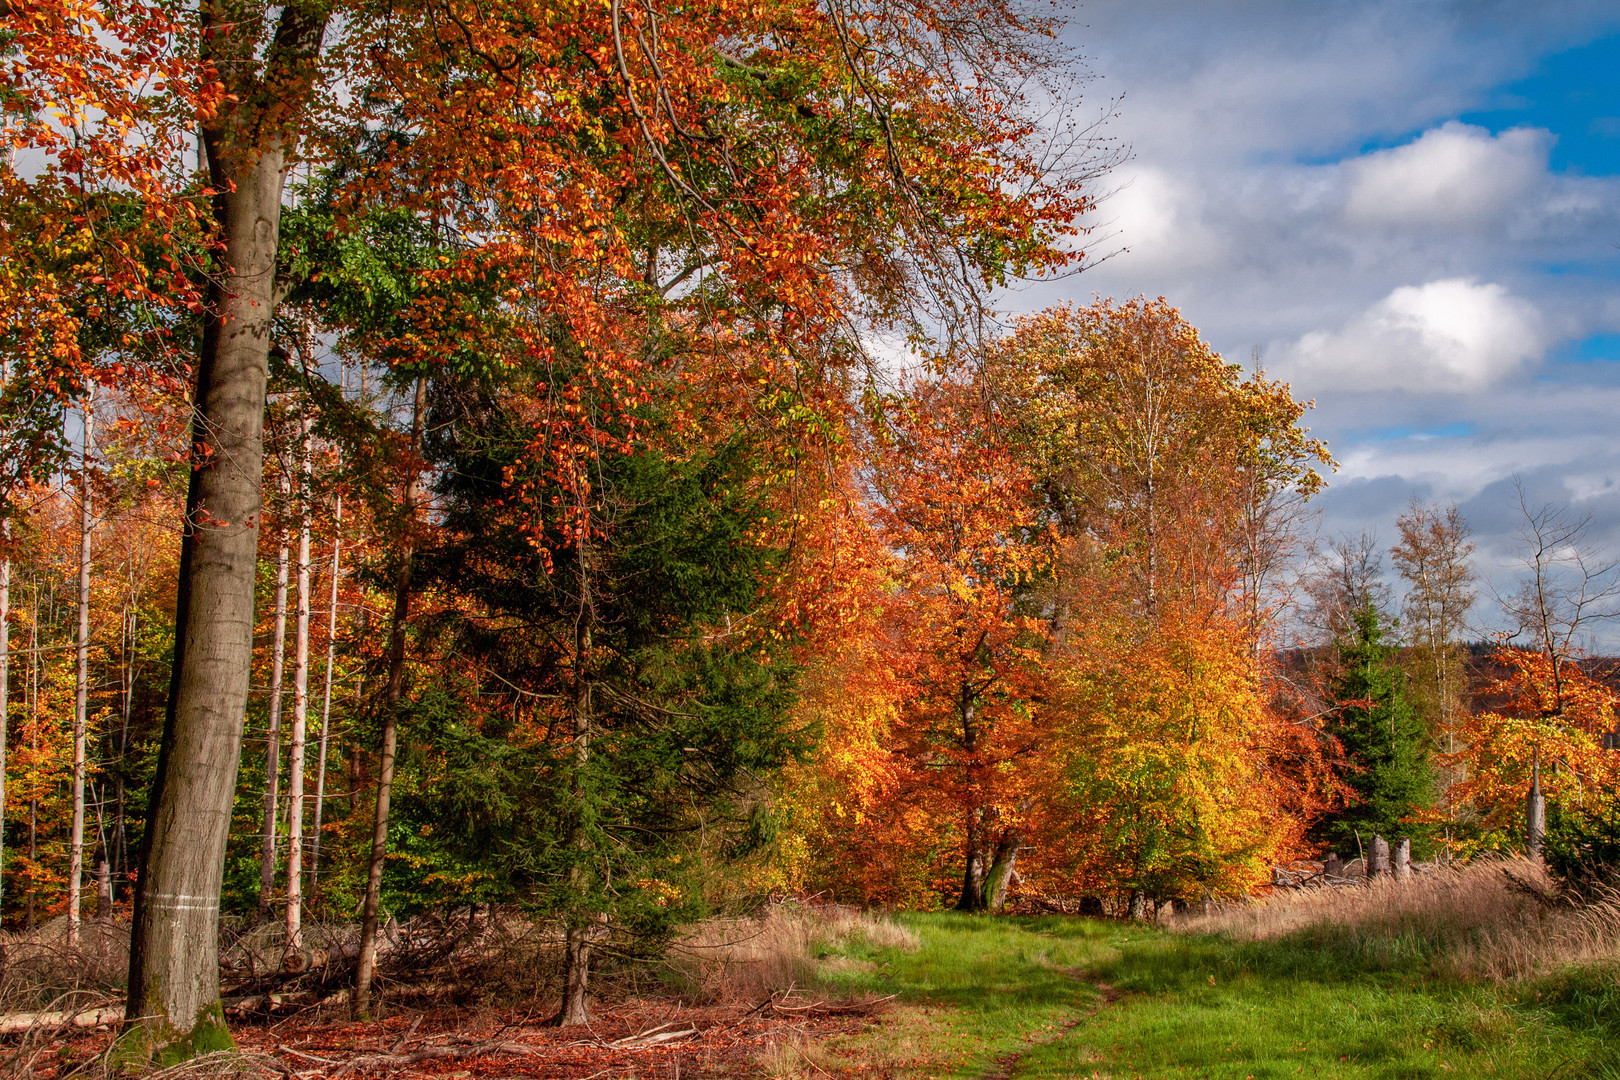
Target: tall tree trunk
x=104 y=896
x=1535 y=811
x=81 y=685
x=295 y=760
x=272 y=739
x=972 y=897
x=5 y=671
x=173 y=958
x=390 y=734
x=33 y=744
x=5 y=648
x=326 y=699
x=1002 y=869
x=974 y=840
x=120 y=799
x=581 y=928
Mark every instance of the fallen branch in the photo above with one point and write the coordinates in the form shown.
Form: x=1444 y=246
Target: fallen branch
x=433 y=1053
x=656 y=1037
x=826 y=1008
x=18 y=1023
x=405 y=1038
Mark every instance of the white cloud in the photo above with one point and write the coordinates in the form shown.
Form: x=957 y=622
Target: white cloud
x=1447 y=336
x=1456 y=174
x=1156 y=219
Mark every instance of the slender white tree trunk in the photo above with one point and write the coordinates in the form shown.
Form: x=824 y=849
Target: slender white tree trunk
x=119 y=831
x=82 y=679
x=326 y=698
x=5 y=678
x=33 y=740
x=272 y=739
x=295 y=760
x=5 y=651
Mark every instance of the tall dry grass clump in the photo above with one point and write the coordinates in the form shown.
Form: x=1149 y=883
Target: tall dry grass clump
x=40 y=970
x=752 y=958
x=1494 y=919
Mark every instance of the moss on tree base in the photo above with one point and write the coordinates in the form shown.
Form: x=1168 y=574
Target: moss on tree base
x=152 y=1043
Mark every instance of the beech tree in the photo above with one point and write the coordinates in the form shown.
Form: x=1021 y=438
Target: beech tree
x=955 y=506
x=774 y=175
x=81 y=685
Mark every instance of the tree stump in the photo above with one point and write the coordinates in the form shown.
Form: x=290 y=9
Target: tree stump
x=1403 y=859
x=1380 y=857
x=1333 y=866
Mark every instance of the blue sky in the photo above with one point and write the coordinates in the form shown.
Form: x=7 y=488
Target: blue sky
x=1412 y=208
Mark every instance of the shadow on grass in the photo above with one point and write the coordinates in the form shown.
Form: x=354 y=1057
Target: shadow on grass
x=992 y=995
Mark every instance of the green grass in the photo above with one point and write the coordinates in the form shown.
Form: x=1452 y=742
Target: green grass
x=1153 y=1004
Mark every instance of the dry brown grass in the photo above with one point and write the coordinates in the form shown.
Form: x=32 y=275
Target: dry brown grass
x=750 y=959
x=1494 y=919
x=796 y=1057
x=40 y=970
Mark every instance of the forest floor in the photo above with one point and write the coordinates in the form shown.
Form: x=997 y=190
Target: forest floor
x=996 y=999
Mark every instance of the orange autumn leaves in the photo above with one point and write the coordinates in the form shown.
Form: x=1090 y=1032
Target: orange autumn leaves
x=1535 y=705
x=1072 y=696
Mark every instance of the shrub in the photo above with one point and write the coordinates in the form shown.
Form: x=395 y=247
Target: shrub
x=1582 y=847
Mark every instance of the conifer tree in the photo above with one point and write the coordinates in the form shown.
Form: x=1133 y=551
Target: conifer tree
x=1385 y=741
x=644 y=696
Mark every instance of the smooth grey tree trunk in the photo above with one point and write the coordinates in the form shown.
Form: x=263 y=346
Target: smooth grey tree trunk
x=81 y=684
x=173 y=1005
x=390 y=734
x=1535 y=811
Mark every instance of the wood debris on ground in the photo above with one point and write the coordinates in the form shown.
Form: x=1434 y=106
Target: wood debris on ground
x=634 y=1038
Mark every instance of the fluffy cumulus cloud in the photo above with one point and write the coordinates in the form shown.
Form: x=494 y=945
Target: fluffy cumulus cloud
x=1456 y=174
x=1314 y=178
x=1157 y=220
x=1449 y=336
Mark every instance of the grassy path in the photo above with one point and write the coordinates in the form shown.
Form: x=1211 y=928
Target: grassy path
x=1043 y=999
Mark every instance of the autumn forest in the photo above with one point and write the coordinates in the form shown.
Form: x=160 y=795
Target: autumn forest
x=568 y=459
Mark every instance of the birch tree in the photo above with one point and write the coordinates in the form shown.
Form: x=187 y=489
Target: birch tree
x=295 y=760
x=326 y=695
x=81 y=688
x=1432 y=557
x=272 y=737
x=5 y=669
